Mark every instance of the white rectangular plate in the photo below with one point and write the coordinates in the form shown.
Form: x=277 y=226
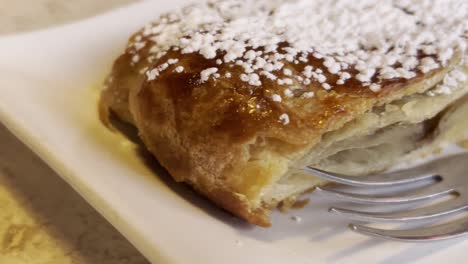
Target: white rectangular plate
x=48 y=97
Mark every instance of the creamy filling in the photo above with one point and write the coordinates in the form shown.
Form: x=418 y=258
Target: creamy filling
x=372 y=143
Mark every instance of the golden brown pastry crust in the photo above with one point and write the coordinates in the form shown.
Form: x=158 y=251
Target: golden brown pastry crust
x=126 y=73
x=226 y=137
x=207 y=134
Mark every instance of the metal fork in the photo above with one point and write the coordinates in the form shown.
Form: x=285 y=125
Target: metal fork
x=444 y=177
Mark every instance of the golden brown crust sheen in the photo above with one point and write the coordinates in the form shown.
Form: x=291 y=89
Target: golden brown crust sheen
x=127 y=72
x=212 y=134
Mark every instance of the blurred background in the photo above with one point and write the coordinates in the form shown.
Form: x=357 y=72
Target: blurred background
x=42 y=220
x=25 y=15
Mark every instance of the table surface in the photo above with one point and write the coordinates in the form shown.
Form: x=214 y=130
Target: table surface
x=43 y=220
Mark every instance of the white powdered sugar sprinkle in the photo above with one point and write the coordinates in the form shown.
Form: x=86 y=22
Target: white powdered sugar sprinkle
x=284 y=119
x=205 y=74
x=151 y=75
x=452 y=81
x=179 y=69
x=320 y=43
x=276 y=98
x=308 y=95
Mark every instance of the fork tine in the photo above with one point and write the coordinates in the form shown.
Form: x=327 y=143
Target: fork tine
x=400 y=177
x=431 y=192
x=425 y=234
x=424 y=213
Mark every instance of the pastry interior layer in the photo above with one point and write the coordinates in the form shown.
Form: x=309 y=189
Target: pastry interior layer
x=373 y=142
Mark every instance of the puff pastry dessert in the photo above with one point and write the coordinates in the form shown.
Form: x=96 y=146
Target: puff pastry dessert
x=235 y=97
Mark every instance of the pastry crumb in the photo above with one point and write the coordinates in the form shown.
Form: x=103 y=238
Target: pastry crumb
x=239 y=243
x=296 y=219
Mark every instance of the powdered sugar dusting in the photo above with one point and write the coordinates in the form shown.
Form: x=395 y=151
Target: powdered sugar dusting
x=205 y=74
x=276 y=98
x=452 y=81
x=284 y=119
x=302 y=43
x=179 y=69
